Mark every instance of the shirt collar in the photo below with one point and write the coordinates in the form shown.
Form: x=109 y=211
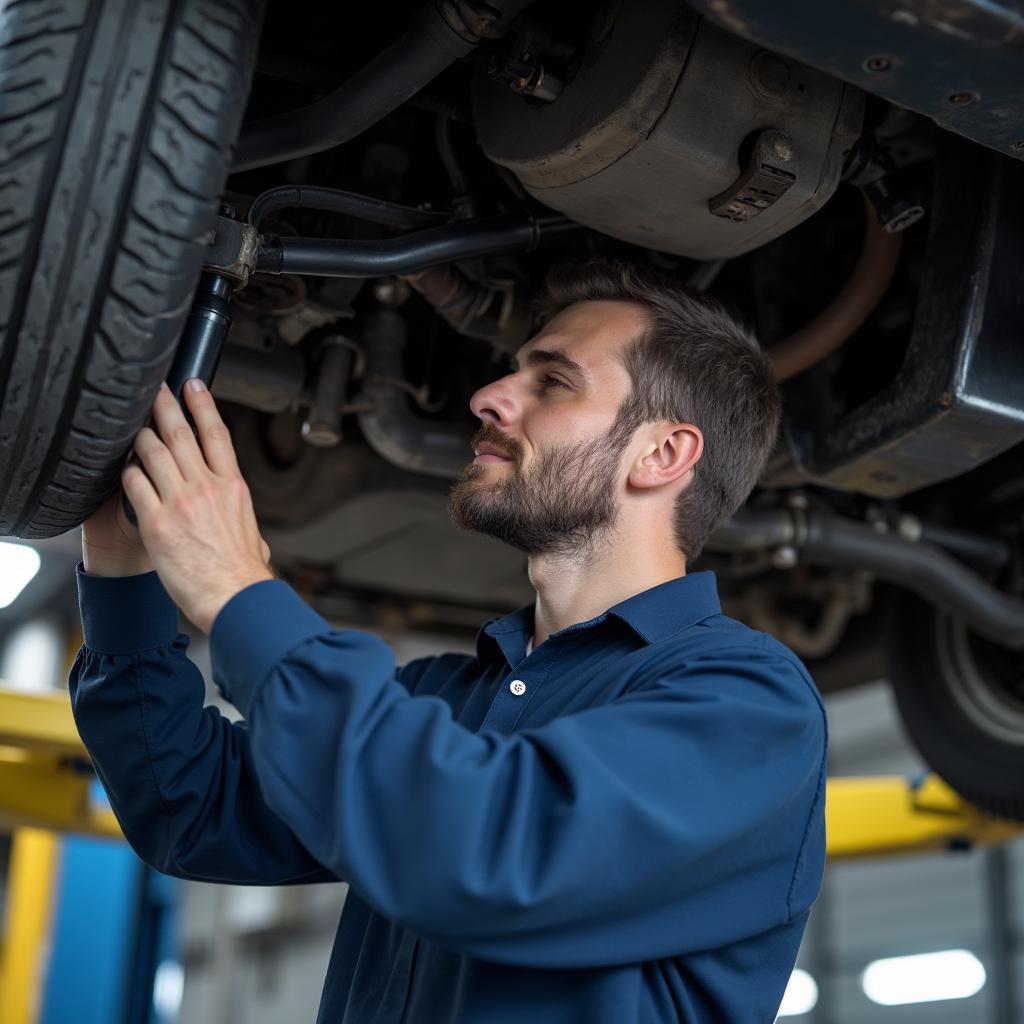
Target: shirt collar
x=653 y=614
x=670 y=607
x=499 y=636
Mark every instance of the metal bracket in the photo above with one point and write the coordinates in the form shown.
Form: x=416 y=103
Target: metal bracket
x=231 y=249
x=769 y=174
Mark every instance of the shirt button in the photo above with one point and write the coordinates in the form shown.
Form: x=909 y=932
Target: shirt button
x=518 y=687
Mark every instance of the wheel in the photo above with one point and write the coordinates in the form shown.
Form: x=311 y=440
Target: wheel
x=961 y=698
x=117 y=121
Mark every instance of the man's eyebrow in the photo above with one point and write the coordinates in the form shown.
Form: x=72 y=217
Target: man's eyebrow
x=537 y=356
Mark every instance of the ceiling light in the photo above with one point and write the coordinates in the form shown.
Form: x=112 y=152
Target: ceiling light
x=32 y=656
x=923 y=978
x=801 y=994
x=18 y=564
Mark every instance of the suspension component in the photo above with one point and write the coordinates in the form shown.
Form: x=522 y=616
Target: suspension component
x=199 y=349
x=322 y=427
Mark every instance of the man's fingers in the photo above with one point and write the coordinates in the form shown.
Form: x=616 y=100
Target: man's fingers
x=213 y=434
x=160 y=465
x=139 y=490
x=177 y=434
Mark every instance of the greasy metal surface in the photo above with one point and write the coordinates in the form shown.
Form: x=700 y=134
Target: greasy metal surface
x=658 y=121
x=958 y=399
x=232 y=249
x=958 y=62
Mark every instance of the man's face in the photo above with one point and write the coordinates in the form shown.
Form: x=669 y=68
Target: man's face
x=547 y=477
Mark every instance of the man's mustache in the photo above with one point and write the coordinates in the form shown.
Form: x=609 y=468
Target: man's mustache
x=489 y=434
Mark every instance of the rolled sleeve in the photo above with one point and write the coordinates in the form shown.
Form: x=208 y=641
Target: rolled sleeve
x=253 y=631
x=124 y=614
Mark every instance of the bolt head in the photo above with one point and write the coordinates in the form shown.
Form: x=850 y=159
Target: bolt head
x=391 y=291
x=320 y=435
x=783 y=150
x=784 y=557
x=877 y=64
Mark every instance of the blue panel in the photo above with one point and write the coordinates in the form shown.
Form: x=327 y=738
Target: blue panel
x=116 y=921
x=93 y=952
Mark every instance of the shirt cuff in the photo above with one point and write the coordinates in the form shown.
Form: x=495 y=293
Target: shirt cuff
x=253 y=631
x=124 y=614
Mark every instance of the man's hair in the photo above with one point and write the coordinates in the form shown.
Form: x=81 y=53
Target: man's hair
x=694 y=363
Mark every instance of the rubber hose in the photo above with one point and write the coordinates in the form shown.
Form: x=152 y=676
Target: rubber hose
x=849 y=309
x=420 y=54
x=326 y=257
x=379 y=211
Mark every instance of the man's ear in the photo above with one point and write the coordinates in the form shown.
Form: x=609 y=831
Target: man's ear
x=672 y=453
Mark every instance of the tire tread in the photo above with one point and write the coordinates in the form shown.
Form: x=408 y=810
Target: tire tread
x=73 y=412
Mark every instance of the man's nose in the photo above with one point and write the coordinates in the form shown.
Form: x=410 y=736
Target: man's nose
x=495 y=403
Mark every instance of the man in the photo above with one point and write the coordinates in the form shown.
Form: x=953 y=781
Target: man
x=612 y=812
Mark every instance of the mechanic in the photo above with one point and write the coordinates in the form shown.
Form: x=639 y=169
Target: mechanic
x=612 y=812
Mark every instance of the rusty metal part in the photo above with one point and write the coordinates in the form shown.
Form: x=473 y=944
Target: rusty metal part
x=397 y=433
x=524 y=72
x=231 y=249
x=849 y=309
x=322 y=426
x=498 y=315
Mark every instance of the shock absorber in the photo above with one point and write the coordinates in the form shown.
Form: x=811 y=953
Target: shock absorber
x=202 y=342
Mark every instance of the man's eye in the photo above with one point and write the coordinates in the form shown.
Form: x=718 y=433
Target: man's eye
x=547 y=381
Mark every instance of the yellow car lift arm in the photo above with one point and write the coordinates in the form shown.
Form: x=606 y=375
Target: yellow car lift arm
x=45 y=771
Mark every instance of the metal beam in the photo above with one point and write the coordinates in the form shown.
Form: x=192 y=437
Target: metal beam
x=45 y=770
x=875 y=816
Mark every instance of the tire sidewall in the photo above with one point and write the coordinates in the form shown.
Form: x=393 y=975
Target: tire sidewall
x=981 y=766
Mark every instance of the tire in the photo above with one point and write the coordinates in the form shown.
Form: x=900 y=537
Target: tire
x=961 y=699
x=117 y=124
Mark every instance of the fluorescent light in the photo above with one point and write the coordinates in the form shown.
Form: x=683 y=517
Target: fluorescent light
x=18 y=564
x=801 y=994
x=923 y=978
x=168 y=989
x=32 y=656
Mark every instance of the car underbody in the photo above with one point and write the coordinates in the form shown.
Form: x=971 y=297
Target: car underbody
x=847 y=179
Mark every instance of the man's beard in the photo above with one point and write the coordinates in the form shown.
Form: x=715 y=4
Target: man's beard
x=560 y=506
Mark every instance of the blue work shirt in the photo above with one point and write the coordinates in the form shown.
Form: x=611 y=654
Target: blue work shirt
x=626 y=825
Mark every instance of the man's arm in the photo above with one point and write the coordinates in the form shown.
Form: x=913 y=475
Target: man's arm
x=683 y=816
x=179 y=776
